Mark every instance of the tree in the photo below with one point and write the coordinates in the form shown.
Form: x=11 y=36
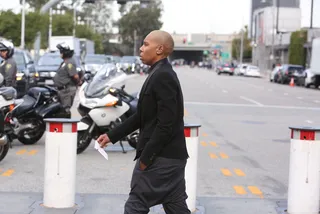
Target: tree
x=236 y=45
x=35 y=4
x=141 y=20
x=297 y=53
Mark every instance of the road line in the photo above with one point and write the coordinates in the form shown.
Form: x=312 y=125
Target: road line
x=253 y=106
x=299 y=98
x=316 y=101
x=239 y=172
x=270 y=90
x=309 y=121
x=185 y=113
x=21 y=152
x=205 y=135
x=250 y=100
x=224 y=91
x=223 y=155
x=286 y=94
x=214 y=144
x=226 y=172
x=33 y=152
x=8 y=173
x=256 y=191
x=240 y=190
x=213 y=156
x=203 y=143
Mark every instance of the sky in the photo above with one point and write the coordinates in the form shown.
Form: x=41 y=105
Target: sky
x=204 y=16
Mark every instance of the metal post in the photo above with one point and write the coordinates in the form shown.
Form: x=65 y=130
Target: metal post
x=50 y=27
x=278 y=6
x=74 y=18
x=135 y=43
x=273 y=27
x=23 y=17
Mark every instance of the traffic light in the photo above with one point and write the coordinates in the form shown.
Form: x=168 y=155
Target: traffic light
x=89 y=1
x=121 y=2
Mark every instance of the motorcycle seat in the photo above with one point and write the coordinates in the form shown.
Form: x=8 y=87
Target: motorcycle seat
x=26 y=105
x=8 y=93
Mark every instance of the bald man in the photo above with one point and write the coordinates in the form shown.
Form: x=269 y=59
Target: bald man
x=161 y=154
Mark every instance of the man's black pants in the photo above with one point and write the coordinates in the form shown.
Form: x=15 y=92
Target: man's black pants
x=163 y=183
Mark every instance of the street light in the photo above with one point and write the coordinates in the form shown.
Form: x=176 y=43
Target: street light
x=23 y=17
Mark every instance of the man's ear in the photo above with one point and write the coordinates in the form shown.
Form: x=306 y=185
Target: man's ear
x=160 y=50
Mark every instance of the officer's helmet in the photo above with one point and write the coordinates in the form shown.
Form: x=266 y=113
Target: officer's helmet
x=65 y=50
x=7 y=46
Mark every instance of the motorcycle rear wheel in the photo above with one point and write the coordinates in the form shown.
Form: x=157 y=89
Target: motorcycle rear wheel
x=40 y=129
x=3 y=151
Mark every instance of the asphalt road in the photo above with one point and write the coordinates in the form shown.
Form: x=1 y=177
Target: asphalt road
x=243 y=146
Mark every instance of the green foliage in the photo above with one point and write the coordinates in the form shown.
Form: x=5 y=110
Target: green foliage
x=236 y=46
x=143 y=20
x=297 y=53
x=62 y=25
x=36 y=4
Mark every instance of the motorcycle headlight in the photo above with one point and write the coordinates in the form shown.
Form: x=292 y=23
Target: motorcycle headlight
x=19 y=76
x=52 y=73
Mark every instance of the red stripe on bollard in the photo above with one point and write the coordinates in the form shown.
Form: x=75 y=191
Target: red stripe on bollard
x=307 y=135
x=56 y=127
x=187 y=132
x=74 y=127
x=292 y=133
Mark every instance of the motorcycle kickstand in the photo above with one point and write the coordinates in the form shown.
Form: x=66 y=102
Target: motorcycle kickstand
x=123 y=151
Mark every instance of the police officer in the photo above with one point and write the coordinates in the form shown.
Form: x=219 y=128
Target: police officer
x=8 y=68
x=66 y=79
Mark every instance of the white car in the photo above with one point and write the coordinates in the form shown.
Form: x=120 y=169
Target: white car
x=273 y=72
x=309 y=80
x=252 y=71
x=240 y=70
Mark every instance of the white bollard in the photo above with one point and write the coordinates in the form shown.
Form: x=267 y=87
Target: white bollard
x=303 y=189
x=60 y=163
x=191 y=132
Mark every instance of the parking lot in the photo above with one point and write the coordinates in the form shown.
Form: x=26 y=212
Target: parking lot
x=243 y=146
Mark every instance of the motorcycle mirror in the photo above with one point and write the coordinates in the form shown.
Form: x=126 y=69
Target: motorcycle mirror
x=119 y=103
x=123 y=86
x=87 y=77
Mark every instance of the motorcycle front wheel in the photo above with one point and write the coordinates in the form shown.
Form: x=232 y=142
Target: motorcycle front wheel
x=3 y=151
x=84 y=141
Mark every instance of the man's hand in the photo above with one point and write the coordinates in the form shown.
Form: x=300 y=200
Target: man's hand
x=142 y=166
x=103 y=140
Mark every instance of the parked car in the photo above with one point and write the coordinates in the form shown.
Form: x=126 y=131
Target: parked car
x=274 y=72
x=252 y=71
x=289 y=71
x=240 y=69
x=26 y=76
x=93 y=62
x=310 y=78
x=131 y=64
x=48 y=65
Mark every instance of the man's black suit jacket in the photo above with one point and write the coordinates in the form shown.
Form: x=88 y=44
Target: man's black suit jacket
x=159 y=117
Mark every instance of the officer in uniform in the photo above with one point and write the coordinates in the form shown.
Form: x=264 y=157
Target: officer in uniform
x=8 y=68
x=66 y=79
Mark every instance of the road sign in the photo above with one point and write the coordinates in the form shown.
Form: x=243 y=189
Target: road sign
x=205 y=52
x=224 y=55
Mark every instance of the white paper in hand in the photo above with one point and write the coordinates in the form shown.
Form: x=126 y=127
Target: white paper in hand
x=101 y=150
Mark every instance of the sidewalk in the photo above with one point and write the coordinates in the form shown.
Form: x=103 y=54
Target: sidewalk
x=30 y=203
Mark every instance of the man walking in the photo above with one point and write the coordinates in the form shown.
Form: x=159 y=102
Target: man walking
x=161 y=154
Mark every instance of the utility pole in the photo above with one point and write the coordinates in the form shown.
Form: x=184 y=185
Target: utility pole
x=273 y=29
x=241 y=47
x=311 y=16
x=50 y=27
x=23 y=17
x=74 y=18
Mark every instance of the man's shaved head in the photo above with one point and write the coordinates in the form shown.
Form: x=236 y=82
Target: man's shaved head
x=157 y=45
x=165 y=39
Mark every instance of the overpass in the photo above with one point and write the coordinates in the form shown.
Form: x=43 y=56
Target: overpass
x=192 y=47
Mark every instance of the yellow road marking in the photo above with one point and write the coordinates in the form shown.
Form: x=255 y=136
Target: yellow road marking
x=214 y=144
x=226 y=172
x=22 y=151
x=213 y=156
x=223 y=155
x=203 y=143
x=33 y=152
x=256 y=191
x=8 y=172
x=240 y=190
x=239 y=172
x=185 y=113
x=205 y=135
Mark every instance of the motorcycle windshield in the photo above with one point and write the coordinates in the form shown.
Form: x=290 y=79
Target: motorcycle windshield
x=107 y=76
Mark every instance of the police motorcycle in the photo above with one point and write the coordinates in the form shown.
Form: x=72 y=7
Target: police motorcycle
x=26 y=120
x=7 y=102
x=103 y=106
